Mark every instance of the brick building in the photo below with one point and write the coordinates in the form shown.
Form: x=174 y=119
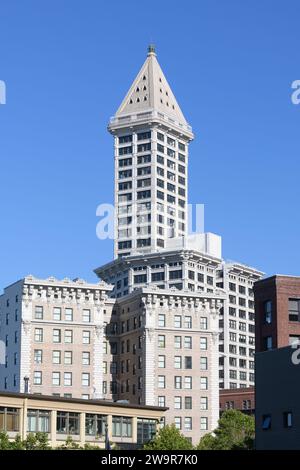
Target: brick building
x=277 y=311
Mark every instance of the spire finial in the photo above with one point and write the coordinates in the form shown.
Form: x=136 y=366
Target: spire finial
x=151 y=49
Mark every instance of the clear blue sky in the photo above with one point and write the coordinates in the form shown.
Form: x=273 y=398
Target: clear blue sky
x=68 y=64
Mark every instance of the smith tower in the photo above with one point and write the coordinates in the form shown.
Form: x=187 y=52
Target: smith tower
x=151 y=164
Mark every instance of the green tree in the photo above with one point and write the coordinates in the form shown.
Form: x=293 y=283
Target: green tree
x=235 y=431
x=4 y=441
x=38 y=441
x=169 y=438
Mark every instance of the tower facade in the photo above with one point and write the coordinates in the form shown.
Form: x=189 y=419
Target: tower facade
x=151 y=164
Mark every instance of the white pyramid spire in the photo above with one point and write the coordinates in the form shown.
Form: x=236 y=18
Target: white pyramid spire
x=151 y=91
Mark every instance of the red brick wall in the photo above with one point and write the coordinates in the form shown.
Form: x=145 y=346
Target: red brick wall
x=278 y=289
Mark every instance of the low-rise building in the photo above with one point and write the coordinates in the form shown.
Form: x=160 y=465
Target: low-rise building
x=85 y=421
x=241 y=399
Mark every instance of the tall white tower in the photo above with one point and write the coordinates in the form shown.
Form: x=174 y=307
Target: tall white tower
x=151 y=164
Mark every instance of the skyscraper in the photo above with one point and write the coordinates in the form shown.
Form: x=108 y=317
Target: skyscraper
x=151 y=161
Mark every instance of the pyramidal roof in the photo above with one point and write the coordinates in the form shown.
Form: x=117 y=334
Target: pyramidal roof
x=150 y=90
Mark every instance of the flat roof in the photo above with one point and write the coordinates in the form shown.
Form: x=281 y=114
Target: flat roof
x=82 y=401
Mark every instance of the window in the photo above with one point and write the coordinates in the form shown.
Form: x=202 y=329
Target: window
x=38 y=335
x=203 y=403
x=203 y=383
x=177 y=321
x=69 y=314
x=38 y=313
x=86 y=316
x=161 y=381
x=203 y=363
x=144 y=147
x=177 y=382
x=188 y=382
x=294 y=310
x=287 y=419
x=187 y=322
x=177 y=342
x=266 y=422
x=188 y=342
x=177 y=422
x=38 y=421
x=38 y=356
x=177 y=362
x=55 y=378
x=161 y=401
x=141 y=160
x=121 y=426
x=161 y=320
x=125 y=138
x=188 y=362
x=95 y=424
x=268 y=342
x=203 y=423
x=57 y=313
x=68 y=336
x=56 y=336
x=86 y=358
x=161 y=341
x=68 y=358
x=86 y=337
x=67 y=423
x=37 y=378
x=203 y=323
x=161 y=362
x=160 y=136
x=188 y=423
x=56 y=357
x=85 y=379
x=67 y=379
x=9 y=419
x=177 y=403
x=203 y=344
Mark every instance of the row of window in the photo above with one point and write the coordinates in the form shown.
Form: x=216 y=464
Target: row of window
x=180 y=321
x=57 y=336
x=180 y=342
x=147 y=135
x=57 y=314
x=61 y=378
x=241 y=289
x=242 y=314
x=65 y=357
x=68 y=423
x=182 y=362
x=182 y=402
x=241 y=301
x=233 y=374
x=186 y=423
x=180 y=382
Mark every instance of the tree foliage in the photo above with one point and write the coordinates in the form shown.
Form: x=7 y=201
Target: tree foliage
x=169 y=438
x=235 y=431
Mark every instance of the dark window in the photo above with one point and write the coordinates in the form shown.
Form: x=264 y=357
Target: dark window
x=144 y=135
x=144 y=147
x=160 y=276
x=266 y=422
x=140 y=278
x=125 y=150
x=125 y=138
x=294 y=310
x=288 y=419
